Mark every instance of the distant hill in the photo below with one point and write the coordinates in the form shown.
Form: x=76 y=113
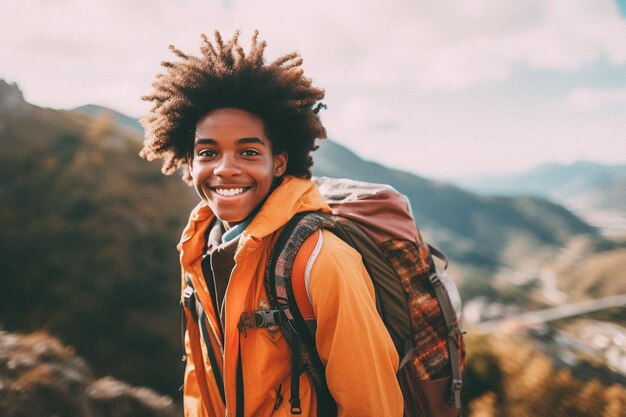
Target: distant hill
x=120 y=118
x=596 y=192
x=583 y=182
x=608 y=196
x=87 y=249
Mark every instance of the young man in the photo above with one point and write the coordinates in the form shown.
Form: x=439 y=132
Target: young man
x=242 y=132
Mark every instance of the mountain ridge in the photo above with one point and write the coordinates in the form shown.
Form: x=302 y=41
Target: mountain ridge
x=596 y=192
x=335 y=160
x=555 y=181
x=448 y=215
x=102 y=111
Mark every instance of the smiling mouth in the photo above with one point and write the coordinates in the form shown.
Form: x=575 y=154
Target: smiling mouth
x=229 y=192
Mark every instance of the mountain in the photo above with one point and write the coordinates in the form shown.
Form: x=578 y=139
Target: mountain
x=119 y=118
x=595 y=192
x=548 y=180
x=87 y=250
x=481 y=234
x=609 y=196
x=474 y=230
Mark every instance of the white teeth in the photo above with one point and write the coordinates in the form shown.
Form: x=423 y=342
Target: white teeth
x=229 y=191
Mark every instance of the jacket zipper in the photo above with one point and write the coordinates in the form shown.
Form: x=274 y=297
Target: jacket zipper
x=223 y=307
x=215 y=336
x=208 y=321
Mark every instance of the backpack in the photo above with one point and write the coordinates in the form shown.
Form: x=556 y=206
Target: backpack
x=418 y=303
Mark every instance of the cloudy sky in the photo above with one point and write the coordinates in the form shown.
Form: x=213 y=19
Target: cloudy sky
x=441 y=88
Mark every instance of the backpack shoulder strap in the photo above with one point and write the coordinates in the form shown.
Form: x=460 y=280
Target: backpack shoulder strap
x=280 y=267
x=301 y=270
x=299 y=332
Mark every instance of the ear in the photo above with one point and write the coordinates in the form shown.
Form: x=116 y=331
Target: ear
x=190 y=162
x=280 y=164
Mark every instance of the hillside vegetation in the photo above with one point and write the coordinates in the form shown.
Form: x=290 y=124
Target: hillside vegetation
x=596 y=276
x=508 y=376
x=87 y=249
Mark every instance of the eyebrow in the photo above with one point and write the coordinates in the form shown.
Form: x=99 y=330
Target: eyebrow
x=242 y=141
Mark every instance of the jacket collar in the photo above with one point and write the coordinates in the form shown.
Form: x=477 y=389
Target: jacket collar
x=293 y=195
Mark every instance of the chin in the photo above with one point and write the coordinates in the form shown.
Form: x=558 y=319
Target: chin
x=230 y=219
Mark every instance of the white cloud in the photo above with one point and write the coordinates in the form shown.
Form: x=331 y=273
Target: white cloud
x=66 y=53
x=427 y=45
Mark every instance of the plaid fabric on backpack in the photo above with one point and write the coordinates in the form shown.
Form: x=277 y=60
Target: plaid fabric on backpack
x=415 y=300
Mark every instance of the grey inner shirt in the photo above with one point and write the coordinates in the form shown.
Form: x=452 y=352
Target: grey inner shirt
x=217 y=264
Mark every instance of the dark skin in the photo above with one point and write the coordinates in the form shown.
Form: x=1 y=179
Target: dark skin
x=233 y=166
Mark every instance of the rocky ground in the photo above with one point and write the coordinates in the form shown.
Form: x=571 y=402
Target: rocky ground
x=41 y=377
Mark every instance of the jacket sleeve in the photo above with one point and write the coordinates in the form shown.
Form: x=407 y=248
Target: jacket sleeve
x=360 y=358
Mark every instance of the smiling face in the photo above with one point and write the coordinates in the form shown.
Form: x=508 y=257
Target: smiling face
x=233 y=165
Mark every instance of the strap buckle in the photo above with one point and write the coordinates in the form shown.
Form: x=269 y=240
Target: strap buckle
x=267 y=318
x=260 y=318
x=434 y=279
x=457 y=385
x=189 y=300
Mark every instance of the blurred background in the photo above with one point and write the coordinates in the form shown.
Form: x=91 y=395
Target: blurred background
x=502 y=121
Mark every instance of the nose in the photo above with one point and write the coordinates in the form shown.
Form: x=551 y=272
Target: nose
x=227 y=166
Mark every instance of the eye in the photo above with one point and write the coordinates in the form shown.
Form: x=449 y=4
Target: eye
x=250 y=152
x=206 y=153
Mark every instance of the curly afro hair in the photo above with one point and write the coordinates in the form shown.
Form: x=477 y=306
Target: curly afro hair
x=225 y=76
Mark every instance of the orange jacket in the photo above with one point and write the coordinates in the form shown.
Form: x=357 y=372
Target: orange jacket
x=361 y=361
